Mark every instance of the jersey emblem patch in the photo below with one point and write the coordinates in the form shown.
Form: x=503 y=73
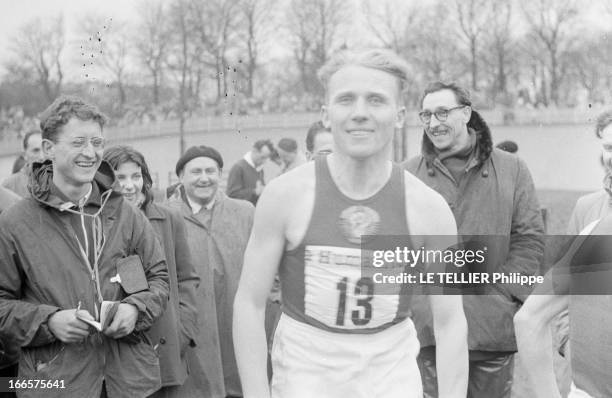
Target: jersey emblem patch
x=356 y=221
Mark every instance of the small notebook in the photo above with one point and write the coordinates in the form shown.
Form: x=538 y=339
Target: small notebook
x=132 y=275
x=108 y=309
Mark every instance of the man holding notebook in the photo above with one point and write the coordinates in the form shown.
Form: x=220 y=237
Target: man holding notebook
x=73 y=255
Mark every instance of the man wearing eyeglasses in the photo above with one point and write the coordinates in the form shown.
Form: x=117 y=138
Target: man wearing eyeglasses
x=491 y=193
x=74 y=244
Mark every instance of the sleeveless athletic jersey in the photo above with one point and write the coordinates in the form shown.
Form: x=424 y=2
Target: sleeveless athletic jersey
x=321 y=281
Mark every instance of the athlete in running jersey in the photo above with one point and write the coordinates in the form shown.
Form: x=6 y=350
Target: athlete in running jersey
x=337 y=337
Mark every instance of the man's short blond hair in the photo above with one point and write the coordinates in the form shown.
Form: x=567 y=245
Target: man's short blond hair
x=379 y=59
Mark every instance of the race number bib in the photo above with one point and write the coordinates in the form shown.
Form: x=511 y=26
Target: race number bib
x=337 y=295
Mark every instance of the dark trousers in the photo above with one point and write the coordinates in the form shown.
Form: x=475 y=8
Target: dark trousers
x=489 y=376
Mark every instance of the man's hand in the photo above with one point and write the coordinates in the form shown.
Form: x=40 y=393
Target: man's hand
x=67 y=328
x=123 y=322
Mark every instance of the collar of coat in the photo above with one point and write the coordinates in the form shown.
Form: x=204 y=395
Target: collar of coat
x=179 y=200
x=7 y=198
x=153 y=212
x=41 y=180
x=484 y=142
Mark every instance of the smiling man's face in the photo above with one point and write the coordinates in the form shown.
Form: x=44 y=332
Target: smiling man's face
x=451 y=133
x=363 y=110
x=77 y=152
x=201 y=177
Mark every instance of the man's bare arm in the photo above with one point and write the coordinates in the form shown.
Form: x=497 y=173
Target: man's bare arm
x=261 y=260
x=450 y=325
x=437 y=226
x=532 y=324
x=450 y=330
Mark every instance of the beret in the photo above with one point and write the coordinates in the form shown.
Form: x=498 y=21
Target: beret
x=288 y=144
x=196 y=152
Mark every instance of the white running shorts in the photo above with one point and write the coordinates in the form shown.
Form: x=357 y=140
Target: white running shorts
x=311 y=362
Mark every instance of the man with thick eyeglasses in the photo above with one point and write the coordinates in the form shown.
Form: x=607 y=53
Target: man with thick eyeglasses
x=70 y=247
x=441 y=114
x=491 y=193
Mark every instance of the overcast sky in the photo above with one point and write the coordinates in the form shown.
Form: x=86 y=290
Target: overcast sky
x=14 y=13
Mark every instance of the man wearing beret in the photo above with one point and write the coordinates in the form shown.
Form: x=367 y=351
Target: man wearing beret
x=218 y=228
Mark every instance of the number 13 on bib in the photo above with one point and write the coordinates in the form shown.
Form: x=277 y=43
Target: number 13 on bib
x=339 y=296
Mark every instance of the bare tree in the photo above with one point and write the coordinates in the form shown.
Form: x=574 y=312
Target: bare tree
x=389 y=21
x=256 y=26
x=108 y=43
x=302 y=42
x=183 y=60
x=589 y=68
x=432 y=47
x=607 y=8
x=551 y=25
x=152 y=44
x=184 y=63
x=532 y=74
x=499 y=45
x=116 y=62
x=314 y=27
x=37 y=47
x=473 y=16
x=215 y=22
